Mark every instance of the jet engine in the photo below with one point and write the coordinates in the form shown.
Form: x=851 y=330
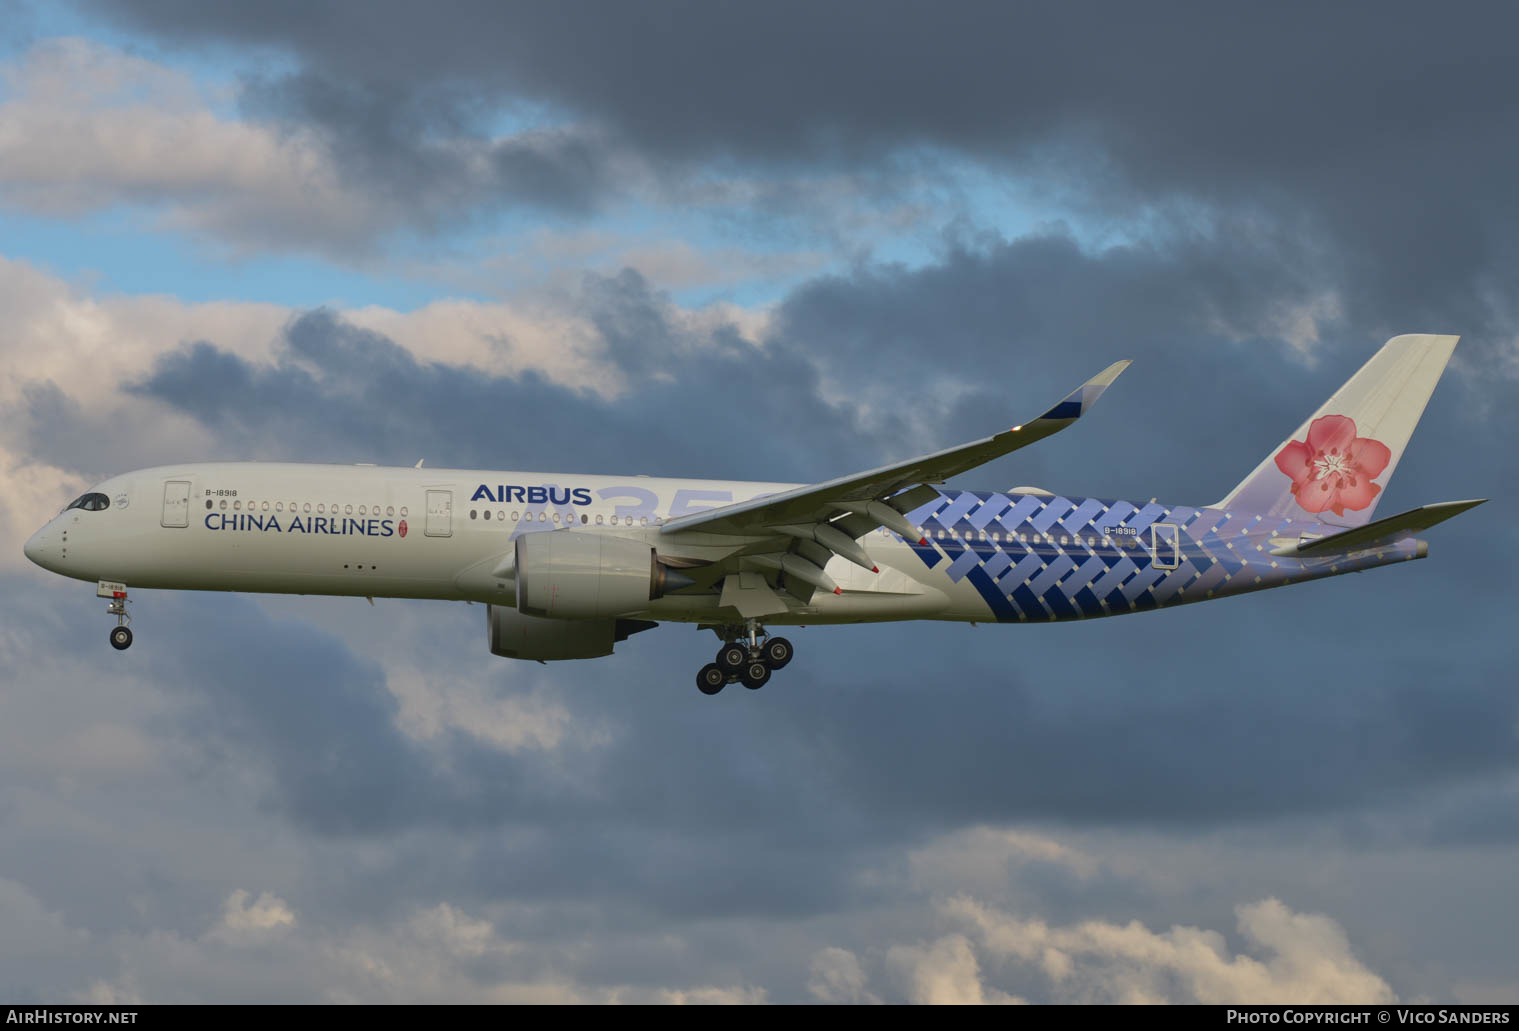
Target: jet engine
x=516 y=636
x=571 y=575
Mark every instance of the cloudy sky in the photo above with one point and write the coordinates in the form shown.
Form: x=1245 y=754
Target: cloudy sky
x=777 y=241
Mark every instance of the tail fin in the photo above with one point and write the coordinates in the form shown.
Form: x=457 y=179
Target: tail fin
x=1335 y=466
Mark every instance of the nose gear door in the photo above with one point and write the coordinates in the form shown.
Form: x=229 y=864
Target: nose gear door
x=176 y=503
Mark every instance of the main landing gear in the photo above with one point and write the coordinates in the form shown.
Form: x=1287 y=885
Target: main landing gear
x=748 y=656
x=121 y=633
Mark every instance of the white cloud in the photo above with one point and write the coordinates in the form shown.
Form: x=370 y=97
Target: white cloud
x=435 y=954
x=944 y=973
x=1306 y=958
x=87 y=127
x=445 y=954
x=1298 y=321
x=501 y=338
x=244 y=921
x=835 y=975
x=746 y=996
x=31 y=493
x=553 y=259
x=432 y=705
x=90 y=346
x=982 y=859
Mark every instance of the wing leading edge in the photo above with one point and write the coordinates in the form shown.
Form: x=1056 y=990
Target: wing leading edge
x=863 y=495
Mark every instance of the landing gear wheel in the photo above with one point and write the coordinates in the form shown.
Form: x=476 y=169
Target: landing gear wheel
x=711 y=679
x=121 y=638
x=754 y=675
x=732 y=657
x=777 y=652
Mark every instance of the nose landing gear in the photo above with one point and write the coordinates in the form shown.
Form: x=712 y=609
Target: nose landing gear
x=121 y=633
x=748 y=656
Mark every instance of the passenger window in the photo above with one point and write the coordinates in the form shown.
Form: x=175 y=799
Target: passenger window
x=598 y=520
x=514 y=515
x=473 y=514
x=346 y=511
x=322 y=509
x=643 y=521
x=308 y=507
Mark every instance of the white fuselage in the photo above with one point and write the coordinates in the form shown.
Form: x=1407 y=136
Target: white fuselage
x=370 y=531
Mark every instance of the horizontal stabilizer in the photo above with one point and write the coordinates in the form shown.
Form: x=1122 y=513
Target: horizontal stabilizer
x=1383 y=531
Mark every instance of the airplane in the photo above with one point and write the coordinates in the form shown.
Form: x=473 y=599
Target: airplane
x=568 y=566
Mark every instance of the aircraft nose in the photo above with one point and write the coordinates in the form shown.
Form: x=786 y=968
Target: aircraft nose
x=33 y=547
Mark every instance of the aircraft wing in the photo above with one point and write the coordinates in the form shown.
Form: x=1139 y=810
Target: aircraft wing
x=864 y=495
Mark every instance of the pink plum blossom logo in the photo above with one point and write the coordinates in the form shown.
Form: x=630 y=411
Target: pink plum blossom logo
x=1332 y=470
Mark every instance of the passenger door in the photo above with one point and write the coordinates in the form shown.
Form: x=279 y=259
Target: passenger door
x=176 y=503
x=1165 y=545
x=440 y=513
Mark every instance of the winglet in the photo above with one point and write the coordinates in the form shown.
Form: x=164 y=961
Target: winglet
x=1074 y=404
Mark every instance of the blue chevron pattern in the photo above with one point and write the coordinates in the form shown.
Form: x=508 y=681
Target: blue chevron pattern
x=1041 y=558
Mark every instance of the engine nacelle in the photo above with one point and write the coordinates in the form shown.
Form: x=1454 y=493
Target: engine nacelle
x=516 y=636
x=573 y=575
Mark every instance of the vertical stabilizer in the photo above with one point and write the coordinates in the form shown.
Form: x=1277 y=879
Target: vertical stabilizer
x=1335 y=466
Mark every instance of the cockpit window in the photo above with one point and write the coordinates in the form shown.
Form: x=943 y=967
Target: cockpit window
x=92 y=503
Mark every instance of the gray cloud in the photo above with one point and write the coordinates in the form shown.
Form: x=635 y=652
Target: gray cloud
x=1360 y=725
x=1383 y=134
x=783 y=809
x=417 y=147
x=361 y=395
x=1238 y=680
